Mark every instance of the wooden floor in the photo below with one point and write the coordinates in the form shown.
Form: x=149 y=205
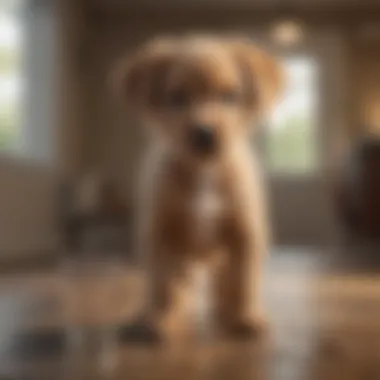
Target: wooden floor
x=324 y=310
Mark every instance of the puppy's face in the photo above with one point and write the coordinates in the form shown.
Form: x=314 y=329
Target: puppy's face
x=200 y=94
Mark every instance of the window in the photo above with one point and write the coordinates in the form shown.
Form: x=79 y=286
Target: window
x=292 y=145
x=27 y=79
x=10 y=74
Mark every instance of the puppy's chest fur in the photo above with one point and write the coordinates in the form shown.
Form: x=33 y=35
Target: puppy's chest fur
x=206 y=206
x=197 y=214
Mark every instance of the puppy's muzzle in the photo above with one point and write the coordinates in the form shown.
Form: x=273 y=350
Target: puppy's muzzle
x=203 y=139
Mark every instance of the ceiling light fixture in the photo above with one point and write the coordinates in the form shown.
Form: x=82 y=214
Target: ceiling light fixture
x=287 y=32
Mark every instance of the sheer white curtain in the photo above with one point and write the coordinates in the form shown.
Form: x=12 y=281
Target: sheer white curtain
x=38 y=127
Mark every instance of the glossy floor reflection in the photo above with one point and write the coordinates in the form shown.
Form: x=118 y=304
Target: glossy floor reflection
x=324 y=310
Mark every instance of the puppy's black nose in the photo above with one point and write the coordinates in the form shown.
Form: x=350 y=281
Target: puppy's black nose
x=202 y=138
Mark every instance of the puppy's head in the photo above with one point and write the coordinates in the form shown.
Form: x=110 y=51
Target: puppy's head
x=201 y=94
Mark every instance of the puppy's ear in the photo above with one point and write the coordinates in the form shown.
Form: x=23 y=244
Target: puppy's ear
x=262 y=76
x=139 y=77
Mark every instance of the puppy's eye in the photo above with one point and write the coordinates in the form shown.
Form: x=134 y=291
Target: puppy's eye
x=229 y=97
x=178 y=99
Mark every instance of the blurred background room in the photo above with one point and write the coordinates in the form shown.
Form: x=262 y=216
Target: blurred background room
x=69 y=156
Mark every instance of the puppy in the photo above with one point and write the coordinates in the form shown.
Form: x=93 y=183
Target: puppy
x=200 y=193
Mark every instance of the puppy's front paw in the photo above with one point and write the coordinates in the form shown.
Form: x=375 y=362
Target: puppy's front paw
x=248 y=328
x=139 y=332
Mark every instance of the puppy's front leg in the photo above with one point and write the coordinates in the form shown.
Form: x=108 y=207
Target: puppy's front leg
x=238 y=285
x=164 y=314
x=168 y=295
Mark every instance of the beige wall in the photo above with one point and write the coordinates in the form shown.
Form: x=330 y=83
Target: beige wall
x=27 y=209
